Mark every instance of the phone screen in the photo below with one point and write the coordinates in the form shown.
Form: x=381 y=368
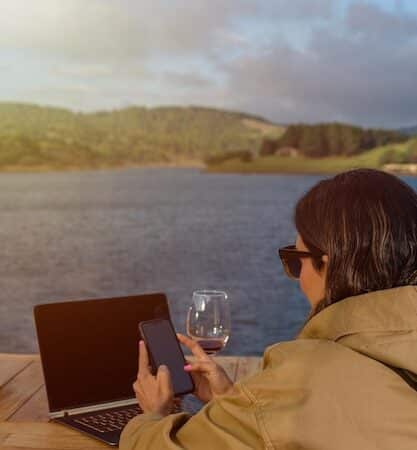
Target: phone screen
x=164 y=348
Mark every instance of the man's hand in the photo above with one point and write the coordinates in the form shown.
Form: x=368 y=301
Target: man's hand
x=210 y=379
x=154 y=393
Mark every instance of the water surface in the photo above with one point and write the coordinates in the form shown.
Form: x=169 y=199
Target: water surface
x=112 y=233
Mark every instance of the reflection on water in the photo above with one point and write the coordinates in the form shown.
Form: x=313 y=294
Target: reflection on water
x=99 y=234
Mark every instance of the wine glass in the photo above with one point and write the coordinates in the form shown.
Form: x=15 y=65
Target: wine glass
x=208 y=320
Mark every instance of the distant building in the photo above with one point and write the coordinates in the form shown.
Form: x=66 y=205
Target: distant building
x=287 y=151
x=401 y=168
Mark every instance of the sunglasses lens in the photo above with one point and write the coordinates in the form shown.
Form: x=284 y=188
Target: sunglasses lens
x=293 y=266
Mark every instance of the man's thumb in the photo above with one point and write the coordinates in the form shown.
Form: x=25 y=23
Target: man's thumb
x=163 y=372
x=164 y=377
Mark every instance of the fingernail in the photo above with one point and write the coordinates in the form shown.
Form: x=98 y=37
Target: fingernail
x=141 y=342
x=188 y=367
x=163 y=367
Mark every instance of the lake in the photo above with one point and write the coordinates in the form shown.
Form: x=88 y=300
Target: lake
x=112 y=233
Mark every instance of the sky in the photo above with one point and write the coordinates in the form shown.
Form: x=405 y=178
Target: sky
x=289 y=61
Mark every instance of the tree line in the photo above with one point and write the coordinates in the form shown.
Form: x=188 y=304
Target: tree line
x=330 y=139
x=32 y=135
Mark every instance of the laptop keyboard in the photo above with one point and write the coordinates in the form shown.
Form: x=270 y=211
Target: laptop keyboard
x=112 y=420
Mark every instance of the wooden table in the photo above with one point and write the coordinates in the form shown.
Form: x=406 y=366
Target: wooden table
x=24 y=409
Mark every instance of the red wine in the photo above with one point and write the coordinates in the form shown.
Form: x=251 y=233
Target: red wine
x=211 y=345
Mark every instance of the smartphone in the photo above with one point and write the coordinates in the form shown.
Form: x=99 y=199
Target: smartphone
x=164 y=348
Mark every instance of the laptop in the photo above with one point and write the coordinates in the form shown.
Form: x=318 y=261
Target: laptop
x=89 y=355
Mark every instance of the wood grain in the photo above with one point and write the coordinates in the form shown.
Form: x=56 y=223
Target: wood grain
x=13 y=364
x=32 y=435
x=35 y=409
x=24 y=410
x=20 y=389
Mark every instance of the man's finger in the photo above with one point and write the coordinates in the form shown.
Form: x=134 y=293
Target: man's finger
x=163 y=378
x=193 y=346
x=143 y=360
x=137 y=387
x=200 y=366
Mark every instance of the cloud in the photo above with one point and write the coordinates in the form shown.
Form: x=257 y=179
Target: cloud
x=289 y=60
x=376 y=24
x=187 y=80
x=298 y=9
x=85 y=71
x=100 y=31
x=74 y=29
x=339 y=76
x=102 y=71
x=108 y=31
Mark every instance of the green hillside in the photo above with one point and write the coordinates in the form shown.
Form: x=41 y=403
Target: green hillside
x=34 y=137
x=403 y=153
x=331 y=139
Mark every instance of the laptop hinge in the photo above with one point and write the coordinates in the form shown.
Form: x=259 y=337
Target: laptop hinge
x=91 y=408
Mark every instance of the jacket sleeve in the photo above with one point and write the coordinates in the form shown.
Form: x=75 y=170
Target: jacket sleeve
x=228 y=422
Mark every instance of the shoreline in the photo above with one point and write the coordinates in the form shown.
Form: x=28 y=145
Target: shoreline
x=400 y=169
x=308 y=172
x=311 y=166
x=50 y=169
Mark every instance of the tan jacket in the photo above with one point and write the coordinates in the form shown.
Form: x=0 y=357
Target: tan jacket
x=324 y=390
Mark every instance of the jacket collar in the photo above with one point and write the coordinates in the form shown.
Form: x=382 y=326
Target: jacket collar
x=379 y=311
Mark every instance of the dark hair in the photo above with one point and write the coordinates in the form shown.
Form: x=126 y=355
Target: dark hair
x=365 y=220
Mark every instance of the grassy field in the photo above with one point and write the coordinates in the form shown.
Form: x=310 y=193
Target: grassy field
x=302 y=165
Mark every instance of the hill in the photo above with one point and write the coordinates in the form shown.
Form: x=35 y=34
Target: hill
x=408 y=131
x=401 y=157
x=330 y=139
x=34 y=137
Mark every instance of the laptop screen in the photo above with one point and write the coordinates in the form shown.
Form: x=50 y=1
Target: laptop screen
x=89 y=348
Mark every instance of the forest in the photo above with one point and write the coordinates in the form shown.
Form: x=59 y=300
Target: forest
x=34 y=136
x=331 y=139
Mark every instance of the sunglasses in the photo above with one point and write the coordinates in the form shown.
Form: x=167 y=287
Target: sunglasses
x=291 y=259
